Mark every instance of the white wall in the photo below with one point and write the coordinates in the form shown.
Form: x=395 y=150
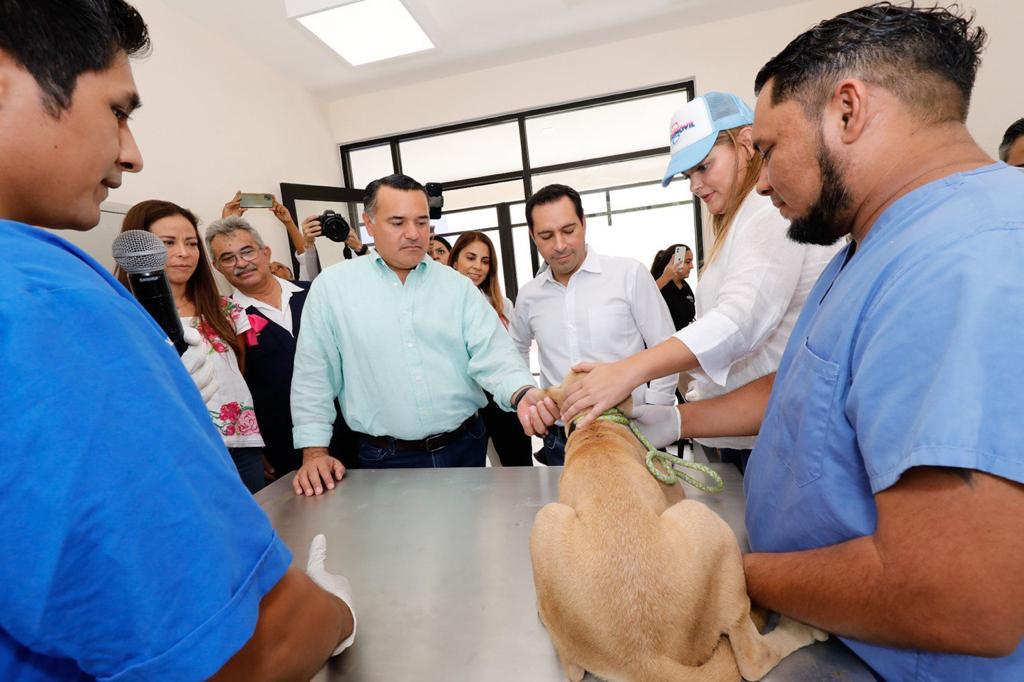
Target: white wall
x=214 y=120
x=723 y=55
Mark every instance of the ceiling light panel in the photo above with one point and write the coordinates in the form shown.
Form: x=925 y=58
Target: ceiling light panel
x=368 y=30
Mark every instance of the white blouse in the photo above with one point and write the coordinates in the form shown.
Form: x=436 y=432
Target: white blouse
x=748 y=300
x=231 y=407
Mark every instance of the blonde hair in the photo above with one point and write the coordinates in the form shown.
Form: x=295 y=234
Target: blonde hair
x=746 y=180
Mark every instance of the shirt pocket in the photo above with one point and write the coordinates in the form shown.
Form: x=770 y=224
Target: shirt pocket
x=609 y=326
x=808 y=391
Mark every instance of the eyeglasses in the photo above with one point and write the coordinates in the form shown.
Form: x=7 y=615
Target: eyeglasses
x=248 y=254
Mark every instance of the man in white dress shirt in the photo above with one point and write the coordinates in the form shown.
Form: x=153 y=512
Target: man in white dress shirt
x=585 y=306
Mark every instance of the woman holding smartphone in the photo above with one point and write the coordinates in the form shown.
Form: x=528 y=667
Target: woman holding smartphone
x=670 y=268
x=220 y=321
x=752 y=286
x=473 y=256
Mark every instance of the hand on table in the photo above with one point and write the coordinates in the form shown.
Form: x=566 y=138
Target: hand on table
x=318 y=470
x=337 y=585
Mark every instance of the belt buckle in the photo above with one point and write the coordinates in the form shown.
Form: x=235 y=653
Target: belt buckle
x=434 y=439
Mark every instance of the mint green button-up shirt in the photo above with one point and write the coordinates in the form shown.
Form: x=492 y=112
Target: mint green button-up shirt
x=406 y=361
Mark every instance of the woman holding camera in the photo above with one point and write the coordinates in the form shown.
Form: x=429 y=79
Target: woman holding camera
x=220 y=322
x=473 y=256
x=752 y=287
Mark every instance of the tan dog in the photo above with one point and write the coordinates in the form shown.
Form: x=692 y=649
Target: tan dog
x=635 y=583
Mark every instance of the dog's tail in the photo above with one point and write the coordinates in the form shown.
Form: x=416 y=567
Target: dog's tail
x=721 y=666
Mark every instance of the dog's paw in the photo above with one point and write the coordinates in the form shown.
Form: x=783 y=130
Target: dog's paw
x=819 y=635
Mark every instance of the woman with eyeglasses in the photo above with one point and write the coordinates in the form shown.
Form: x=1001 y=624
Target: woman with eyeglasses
x=752 y=287
x=220 y=322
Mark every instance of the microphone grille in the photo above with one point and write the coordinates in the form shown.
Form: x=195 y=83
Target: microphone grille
x=138 y=251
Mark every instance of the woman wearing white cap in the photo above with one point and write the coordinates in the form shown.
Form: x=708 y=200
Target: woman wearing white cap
x=753 y=283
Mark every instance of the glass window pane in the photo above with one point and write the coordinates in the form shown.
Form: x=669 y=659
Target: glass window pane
x=652 y=194
x=484 y=195
x=517 y=213
x=636 y=171
x=369 y=164
x=463 y=154
x=603 y=130
x=641 y=234
x=521 y=244
x=460 y=221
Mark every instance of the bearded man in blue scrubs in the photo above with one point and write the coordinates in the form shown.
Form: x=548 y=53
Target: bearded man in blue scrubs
x=884 y=497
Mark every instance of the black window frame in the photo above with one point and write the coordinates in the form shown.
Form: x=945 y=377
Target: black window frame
x=526 y=173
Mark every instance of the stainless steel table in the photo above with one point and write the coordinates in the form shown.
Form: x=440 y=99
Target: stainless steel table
x=440 y=568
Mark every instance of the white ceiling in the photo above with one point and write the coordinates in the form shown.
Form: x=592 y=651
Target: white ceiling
x=468 y=34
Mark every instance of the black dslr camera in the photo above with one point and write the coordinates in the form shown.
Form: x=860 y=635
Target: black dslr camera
x=333 y=226
x=435 y=201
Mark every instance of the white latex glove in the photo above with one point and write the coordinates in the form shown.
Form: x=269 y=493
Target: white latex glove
x=662 y=424
x=337 y=585
x=198 y=365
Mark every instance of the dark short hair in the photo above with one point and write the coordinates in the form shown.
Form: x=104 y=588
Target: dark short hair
x=439 y=238
x=926 y=56
x=549 y=195
x=395 y=181
x=56 y=41
x=1012 y=134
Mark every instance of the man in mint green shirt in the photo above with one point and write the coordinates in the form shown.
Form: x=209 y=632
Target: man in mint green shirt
x=407 y=346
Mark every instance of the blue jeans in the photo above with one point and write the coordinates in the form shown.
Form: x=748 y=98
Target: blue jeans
x=468 y=450
x=554 y=447
x=249 y=462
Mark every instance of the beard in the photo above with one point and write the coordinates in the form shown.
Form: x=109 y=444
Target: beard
x=823 y=224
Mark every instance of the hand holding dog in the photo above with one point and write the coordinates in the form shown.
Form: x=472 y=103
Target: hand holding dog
x=536 y=412
x=604 y=386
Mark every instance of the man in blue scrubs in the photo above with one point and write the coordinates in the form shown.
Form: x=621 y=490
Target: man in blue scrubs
x=884 y=497
x=130 y=549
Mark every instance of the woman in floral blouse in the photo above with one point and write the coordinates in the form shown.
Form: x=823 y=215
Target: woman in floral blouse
x=219 y=320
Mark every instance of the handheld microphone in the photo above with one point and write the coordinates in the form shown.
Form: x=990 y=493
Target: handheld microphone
x=142 y=256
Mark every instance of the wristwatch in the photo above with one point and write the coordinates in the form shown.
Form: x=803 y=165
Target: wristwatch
x=518 y=396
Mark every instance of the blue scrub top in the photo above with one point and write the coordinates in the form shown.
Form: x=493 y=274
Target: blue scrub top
x=131 y=549
x=910 y=355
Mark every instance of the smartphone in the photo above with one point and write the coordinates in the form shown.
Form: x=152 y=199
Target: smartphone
x=256 y=200
x=677 y=257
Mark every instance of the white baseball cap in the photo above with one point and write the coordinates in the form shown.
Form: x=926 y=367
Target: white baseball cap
x=695 y=128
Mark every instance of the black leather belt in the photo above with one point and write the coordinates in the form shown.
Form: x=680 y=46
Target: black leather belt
x=430 y=443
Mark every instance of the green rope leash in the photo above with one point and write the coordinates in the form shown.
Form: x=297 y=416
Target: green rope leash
x=673 y=465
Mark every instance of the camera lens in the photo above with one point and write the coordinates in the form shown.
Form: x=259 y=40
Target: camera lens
x=334 y=226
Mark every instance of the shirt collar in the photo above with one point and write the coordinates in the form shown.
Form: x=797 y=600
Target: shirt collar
x=591 y=263
x=383 y=268
x=245 y=300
